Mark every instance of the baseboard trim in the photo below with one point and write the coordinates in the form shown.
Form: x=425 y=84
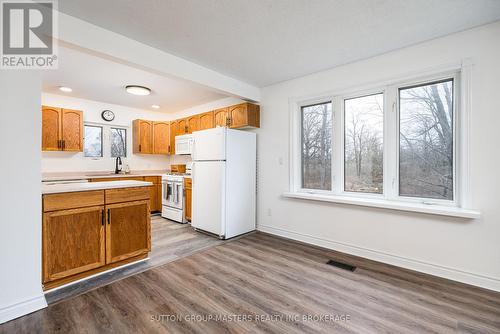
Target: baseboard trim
x=25 y=307
x=453 y=274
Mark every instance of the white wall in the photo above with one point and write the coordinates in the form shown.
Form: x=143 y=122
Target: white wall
x=459 y=249
x=71 y=161
x=20 y=202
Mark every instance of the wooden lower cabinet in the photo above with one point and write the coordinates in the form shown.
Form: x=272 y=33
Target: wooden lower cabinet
x=188 y=191
x=81 y=241
x=128 y=230
x=73 y=242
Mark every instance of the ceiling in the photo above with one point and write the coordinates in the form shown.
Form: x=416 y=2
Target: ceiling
x=99 y=79
x=267 y=41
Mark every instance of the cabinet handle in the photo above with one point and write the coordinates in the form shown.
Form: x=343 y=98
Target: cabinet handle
x=63 y=144
x=140 y=147
x=103 y=217
x=168 y=148
x=109 y=216
x=228 y=121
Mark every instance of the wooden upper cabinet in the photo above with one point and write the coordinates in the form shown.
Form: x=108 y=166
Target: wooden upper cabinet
x=73 y=242
x=220 y=117
x=244 y=115
x=128 y=230
x=193 y=123
x=143 y=136
x=72 y=130
x=182 y=126
x=207 y=120
x=174 y=131
x=51 y=128
x=161 y=138
x=62 y=129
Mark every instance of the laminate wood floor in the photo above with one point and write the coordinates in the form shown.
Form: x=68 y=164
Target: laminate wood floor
x=169 y=242
x=278 y=282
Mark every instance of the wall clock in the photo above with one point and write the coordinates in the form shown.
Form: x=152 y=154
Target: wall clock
x=108 y=115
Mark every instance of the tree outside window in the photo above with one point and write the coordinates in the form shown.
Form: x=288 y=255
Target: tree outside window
x=317 y=128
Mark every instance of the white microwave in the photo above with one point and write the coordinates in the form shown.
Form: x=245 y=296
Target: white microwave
x=184 y=144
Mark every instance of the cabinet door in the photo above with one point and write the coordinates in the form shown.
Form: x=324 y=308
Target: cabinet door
x=207 y=120
x=220 y=117
x=73 y=242
x=143 y=136
x=174 y=131
x=182 y=127
x=193 y=123
x=161 y=138
x=51 y=129
x=188 y=204
x=127 y=230
x=72 y=130
x=244 y=115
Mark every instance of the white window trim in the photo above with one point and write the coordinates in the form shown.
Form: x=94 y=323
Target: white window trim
x=390 y=199
x=106 y=140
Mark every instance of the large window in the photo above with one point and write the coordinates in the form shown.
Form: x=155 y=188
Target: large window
x=394 y=142
x=317 y=146
x=93 y=141
x=363 y=144
x=426 y=140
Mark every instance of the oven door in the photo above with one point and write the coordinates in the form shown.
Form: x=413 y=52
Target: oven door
x=167 y=197
x=178 y=196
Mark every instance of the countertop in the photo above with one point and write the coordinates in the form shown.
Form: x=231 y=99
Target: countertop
x=89 y=186
x=67 y=176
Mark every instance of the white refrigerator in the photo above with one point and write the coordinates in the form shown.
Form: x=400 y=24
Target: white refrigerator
x=224 y=181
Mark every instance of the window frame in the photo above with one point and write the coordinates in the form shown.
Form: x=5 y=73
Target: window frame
x=302 y=104
x=341 y=170
x=455 y=77
x=126 y=139
x=106 y=140
x=94 y=125
x=391 y=132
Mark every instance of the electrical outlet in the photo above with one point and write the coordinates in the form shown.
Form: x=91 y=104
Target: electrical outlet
x=280 y=161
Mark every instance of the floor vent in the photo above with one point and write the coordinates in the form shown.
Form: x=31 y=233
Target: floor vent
x=341 y=265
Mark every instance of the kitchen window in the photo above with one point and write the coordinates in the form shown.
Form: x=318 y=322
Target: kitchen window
x=93 y=141
x=394 y=145
x=118 y=142
x=105 y=141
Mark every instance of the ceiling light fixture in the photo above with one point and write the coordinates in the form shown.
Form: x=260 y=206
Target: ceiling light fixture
x=155 y=106
x=65 y=89
x=137 y=90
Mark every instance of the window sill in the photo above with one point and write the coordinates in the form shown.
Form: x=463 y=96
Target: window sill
x=440 y=210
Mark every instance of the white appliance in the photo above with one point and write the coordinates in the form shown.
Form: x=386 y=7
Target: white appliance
x=173 y=197
x=183 y=144
x=224 y=181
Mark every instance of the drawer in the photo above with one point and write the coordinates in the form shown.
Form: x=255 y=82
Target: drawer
x=188 y=183
x=153 y=179
x=121 y=195
x=63 y=201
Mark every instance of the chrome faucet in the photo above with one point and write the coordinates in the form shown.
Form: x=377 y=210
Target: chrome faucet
x=118 y=165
